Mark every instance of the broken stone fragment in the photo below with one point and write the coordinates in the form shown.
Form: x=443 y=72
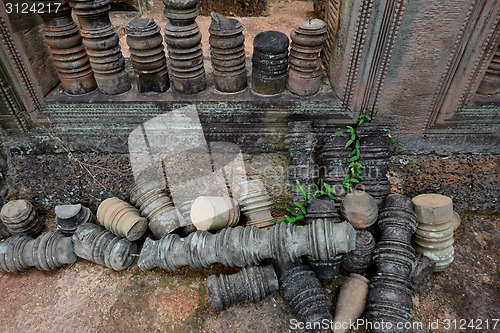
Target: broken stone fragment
x=252 y=283
x=434 y=236
x=303 y=293
x=121 y=219
x=48 y=252
x=360 y=209
x=20 y=218
x=214 y=213
x=351 y=302
x=248 y=246
x=94 y=243
x=69 y=217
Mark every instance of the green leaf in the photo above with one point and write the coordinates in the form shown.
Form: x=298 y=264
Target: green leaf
x=358 y=144
x=349 y=143
x=331 y=196
x=377 y=112
x=289 y=209
x=413 y=160
x=288 y=219
x=357 y=164
x=354 y=158
x=402 y=151
x=361 y=121
x=304 y=193
x=354 y=180
x=300 y=217
x=351 y=164
x=338 y=133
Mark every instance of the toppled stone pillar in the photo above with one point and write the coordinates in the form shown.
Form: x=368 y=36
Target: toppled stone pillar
x=256 y=204
x=121 y=219
x=302 y=167
x=20 y=218
x=269 y=62
x=154 y=204
x=70 y=217
x=102 y=43
x=47 y=252
x=148 y=57
x=303 y=293
x=183 y=38
x=227 y=50
x=248 y=246
x=434 y=236
x=94 y=243
x=65 y=43
x=359 y=259
x=360 y=209
x=252 y=283
x=304 y=73
x=351 y=302
x=390 y=296
x=214 y=213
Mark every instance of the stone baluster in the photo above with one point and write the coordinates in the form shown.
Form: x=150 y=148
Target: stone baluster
x=304 y=73
x=70 y=217
x=65 y=43
x=102 y=43
x=47 y=252
x=148 y=57
x=94 y=243
x=227 y=49
x=390 y=296
x=303 y=293
x=269 y=62
x=248 y=246
x=183 y=38
x=252 y=283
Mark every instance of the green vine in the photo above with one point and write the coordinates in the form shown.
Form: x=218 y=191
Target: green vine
x=355 y=174
x=298 y=212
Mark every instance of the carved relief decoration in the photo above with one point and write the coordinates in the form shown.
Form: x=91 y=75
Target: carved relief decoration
x=332 y=22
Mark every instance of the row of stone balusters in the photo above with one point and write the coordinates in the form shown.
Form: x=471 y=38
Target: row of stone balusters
x=97 y=60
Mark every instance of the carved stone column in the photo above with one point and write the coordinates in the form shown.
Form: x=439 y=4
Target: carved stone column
x=148 y=58
x=183 y=38
x=102 y=42
x=65 y=43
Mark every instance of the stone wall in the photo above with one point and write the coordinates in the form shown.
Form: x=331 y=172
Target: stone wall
x=234 y=7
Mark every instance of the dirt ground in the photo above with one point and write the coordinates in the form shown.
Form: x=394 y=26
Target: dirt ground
x=85 y=297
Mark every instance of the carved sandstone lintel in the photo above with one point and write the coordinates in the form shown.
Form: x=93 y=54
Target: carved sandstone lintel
x=68 y=53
